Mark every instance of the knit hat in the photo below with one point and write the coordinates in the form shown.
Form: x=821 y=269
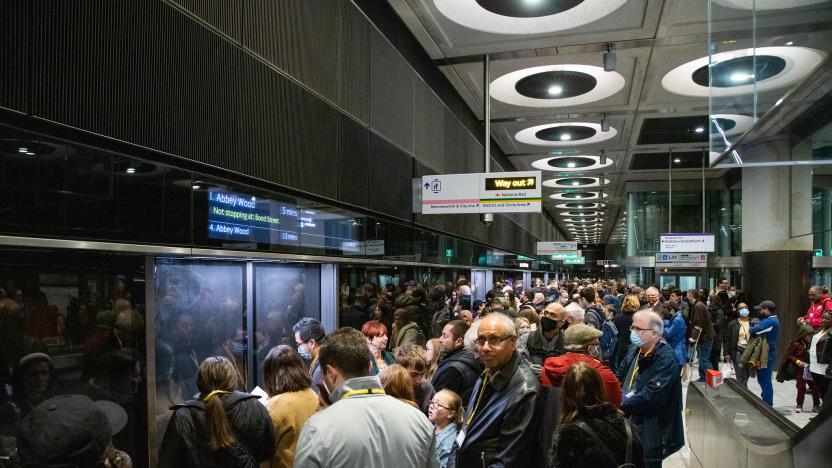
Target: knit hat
x=580 y=336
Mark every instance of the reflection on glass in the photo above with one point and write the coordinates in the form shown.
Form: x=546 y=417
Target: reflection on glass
x=72 y=323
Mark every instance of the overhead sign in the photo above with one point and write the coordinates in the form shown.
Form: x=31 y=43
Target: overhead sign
x=682 y=260
x=687 y=242
x=549 y=248
x=576 y=261
x=494 y=192
x=567 y=254
x=604 y=262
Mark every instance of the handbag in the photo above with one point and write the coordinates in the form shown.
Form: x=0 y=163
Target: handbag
x=807 y=374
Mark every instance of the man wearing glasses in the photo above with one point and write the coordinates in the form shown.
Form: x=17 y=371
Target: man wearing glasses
x=652 y=388
x=502 y=418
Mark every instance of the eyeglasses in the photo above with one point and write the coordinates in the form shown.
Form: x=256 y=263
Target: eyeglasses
x=492 y=340
x=434 y=404
x=633 y=327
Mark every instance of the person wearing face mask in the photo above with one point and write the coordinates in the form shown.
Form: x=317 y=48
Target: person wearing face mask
x=308 y=336
x=582 y=345
x=769 y=328
x=674 y=330
x=547 y=340
x=652 y=389
x=735 y=340
x=359 y=401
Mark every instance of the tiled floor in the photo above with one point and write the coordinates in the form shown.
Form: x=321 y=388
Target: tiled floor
x=785 y=395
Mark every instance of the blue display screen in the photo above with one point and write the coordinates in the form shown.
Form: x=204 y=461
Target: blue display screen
x=247 y=218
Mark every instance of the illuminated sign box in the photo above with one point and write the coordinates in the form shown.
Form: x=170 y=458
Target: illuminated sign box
x=567 y=255
x=576 y=261
x=687 y=242
x=550 y=248
x=493 y=192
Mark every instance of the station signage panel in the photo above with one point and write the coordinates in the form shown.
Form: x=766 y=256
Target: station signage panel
x=575 y=261
x=493 y=192
x=567 y=254
x=682 y=260
x=550 y=248
x=687 y=242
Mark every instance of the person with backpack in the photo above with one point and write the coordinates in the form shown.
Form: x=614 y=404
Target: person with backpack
x=609 y=338
x=222 y=428
x=593 y=431
x=593 y=314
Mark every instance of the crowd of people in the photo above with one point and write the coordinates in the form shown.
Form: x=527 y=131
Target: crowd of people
x=578 y=373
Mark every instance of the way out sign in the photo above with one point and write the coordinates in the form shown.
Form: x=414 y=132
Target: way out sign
x=495 y=192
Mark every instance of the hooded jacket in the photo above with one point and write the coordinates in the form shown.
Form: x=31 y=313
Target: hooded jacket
x=458 y=371
x=186 y=443
x=554 y=370
x=503 y=430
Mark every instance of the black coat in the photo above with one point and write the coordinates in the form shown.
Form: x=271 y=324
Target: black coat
x=504 y=430
x=574 y=447
x=622 y=322
x=186 y=443
x=458 y=372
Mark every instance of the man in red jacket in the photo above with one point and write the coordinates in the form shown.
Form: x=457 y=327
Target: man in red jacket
x=819 y=303
x=581 y=344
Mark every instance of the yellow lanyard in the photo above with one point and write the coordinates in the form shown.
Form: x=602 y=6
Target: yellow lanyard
x=479 y=397
x=635 y=371
x=312 y=366
x=366 y=391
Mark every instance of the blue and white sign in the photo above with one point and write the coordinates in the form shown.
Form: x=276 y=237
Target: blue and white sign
x=687 y=242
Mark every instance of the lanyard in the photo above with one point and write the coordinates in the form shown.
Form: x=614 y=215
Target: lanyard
x=479 y=397
x=635 y=371
x=365 y=391
x=312 y=365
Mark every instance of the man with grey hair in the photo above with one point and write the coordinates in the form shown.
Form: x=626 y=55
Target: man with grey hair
x=502 y=417
x=653 y=297
x=652 y=389
x=574 y=314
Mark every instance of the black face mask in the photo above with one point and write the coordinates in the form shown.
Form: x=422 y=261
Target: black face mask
x=547 y=324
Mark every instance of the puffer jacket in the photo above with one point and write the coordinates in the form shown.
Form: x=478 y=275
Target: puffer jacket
x=573 y=447
x=503 y=432
x=458 y=371
x=186 y=443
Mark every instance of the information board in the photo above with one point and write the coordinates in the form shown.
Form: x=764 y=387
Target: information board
x=575 y=261
x=567 y=254
x=682 y=260
x=549 y=248
x=246 y=218
x=687 y=242
x=494 y=192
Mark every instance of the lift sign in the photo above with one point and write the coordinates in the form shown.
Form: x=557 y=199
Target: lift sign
x=508 y=183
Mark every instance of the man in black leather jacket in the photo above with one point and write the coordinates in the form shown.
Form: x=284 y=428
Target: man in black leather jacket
x=502 y=418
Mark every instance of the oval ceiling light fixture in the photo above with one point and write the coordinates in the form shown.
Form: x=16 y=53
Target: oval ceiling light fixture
x=592 y=222
x=577 y=195
x=738 y=72
x=573 y=182
x=767 y=4
x=578 y=163
x=581 y=214
x=525 y=17
x=578 y=206
x=556 y=86
x=565 y=134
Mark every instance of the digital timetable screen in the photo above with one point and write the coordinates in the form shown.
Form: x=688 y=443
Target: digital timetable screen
x=247 y=218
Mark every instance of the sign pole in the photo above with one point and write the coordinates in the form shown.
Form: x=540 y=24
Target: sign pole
x=487 y=218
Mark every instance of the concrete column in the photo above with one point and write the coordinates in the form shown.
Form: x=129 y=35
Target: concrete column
x=776 y=209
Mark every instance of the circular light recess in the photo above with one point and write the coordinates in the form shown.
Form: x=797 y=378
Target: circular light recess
x=556 y=86
x=582 y=221
x=736 y=73
x=565 y=134
x=568 y=182
x=741 y=124
x=575 y=196
x=581 y=214
x=579 y=163
x=578 y=206
x=767 y=4
x=527 y=16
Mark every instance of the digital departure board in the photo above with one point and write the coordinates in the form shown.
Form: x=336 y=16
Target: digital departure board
x=247 y=218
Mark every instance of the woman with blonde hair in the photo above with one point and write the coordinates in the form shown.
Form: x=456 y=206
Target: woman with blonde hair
x=396 y=382
x=223 y=428
x=445 y=413
x=433 y=351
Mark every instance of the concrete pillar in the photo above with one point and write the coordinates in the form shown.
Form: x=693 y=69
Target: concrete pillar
x=776 y=206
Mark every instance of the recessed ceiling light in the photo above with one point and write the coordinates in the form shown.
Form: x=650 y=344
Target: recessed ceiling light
x=554 y=90
x=23 y=150
x=531 y=2
x=29 y=153
x=565 y=137
x=677 y=160
x=700 y=130
x=576 y=183
x=790 y=43
x=738 y=77
x=578 y=197
x=130 y=170
x=570 y=164
x=196 y=187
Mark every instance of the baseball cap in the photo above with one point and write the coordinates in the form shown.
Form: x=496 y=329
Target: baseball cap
x=68 y=430
x=766 y=305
